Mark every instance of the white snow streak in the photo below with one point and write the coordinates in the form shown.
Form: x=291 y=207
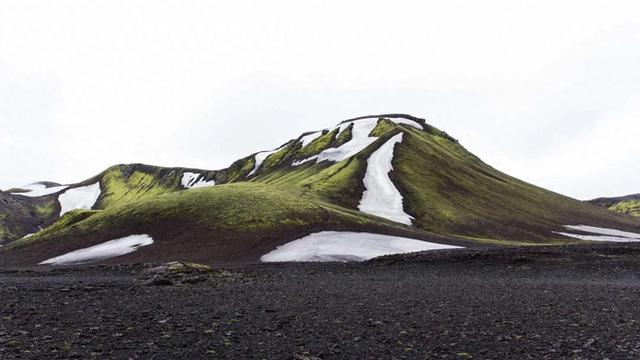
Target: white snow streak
x=347 y=246
x=106 y=250
x=308 y=139
x=260 y=157
x=381 y=198
x=195 y=180
x=37 y=190
x=360 y=139
x=600 y=234
x=79 y=198
x=408 y=122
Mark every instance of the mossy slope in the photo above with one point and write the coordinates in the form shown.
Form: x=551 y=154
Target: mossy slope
x=221 y=224
x=21 y=215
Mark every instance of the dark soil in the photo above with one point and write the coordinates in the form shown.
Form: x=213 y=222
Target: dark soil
x=542 y=303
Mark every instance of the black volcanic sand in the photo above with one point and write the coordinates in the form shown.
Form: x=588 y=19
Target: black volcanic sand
x=541 y=303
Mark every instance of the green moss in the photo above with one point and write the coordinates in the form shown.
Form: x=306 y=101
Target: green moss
x=231 y=211
x=329 y=139
x=120 y=189
x=47 y=210
x=280 y=156
x=631 y=207
x=237 y=171
x=383 y=127
x=345 y=136
x=318 y=144
x=450 y=191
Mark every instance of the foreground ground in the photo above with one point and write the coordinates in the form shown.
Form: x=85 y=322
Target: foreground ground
x=576 y=303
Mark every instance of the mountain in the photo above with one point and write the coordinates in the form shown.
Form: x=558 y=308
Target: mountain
x=629 y=204
x=392 y=175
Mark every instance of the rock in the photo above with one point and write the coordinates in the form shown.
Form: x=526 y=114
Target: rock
x=158 y=281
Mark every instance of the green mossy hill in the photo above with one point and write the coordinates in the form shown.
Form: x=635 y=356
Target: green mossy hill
x=445 y=188
x=122 y=184
x=629 y=204
x=235 y=221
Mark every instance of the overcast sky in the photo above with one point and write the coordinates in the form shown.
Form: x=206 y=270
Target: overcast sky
x=546 y=91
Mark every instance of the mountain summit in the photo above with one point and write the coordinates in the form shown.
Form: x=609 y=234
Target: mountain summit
x=389 y=175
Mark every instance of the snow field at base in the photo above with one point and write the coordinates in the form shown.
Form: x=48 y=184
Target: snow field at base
x=347 y=246
x=106 y=250
x=600 y=234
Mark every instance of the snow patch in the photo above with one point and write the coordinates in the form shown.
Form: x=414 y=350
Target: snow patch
x=37 y=190
x=28 y=235
x=195 y=180
x=347 y=246
x=106 y=250
x=600 y=234
x=360 y=139
x=381 y=198
x=79 y=198
x=260 y=158
x=407 y=122
x=307 y=139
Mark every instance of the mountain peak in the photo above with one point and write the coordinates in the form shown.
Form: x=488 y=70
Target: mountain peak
x=390 y=174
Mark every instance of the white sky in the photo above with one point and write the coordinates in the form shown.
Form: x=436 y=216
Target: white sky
x=547 y=91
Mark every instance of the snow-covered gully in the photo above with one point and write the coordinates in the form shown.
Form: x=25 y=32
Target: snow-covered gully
x=106 y=250
x=360 y=139
x=192 y=180
x=347 y=246
x=381 y=197
x=308 y=139
x=79 y=198
x=260 y=158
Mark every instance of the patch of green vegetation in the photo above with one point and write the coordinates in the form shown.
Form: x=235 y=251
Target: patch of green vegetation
x=237 y=171
x=279 y=157
x=47 y=210
x=631 y=207
x=383 y=127
x=318 y=144
x=120 y=188
x=340 y=183
x=345 y=136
